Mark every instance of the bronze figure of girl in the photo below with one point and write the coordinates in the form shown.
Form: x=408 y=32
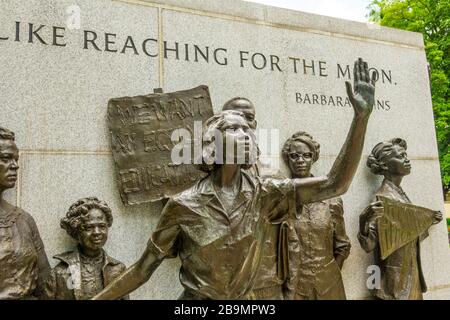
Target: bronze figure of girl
x=218 y=226
x=315 y=233
x=401 y=272
x=23 y=262
x=85 y=271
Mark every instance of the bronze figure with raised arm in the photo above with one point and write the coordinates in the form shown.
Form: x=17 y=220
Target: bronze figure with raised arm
x=218 y=226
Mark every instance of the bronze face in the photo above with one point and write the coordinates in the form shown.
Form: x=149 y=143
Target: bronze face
x=83 y=272
x=246 y=107
x=300 y=158
x=235 y=131
x=398 y=162
x=94 y=231
x=9 y=157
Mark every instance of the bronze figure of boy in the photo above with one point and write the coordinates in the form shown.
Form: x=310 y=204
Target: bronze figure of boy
x=84 y=272
x=218 y=226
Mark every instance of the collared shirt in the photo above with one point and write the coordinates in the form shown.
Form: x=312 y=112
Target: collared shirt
x=269 y=274
x=91 y=275
x=320 y=230
x=401 y=272
x=79 y=278
x=23 y=262
x=220 y=251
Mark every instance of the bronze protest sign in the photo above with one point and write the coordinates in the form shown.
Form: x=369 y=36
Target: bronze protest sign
x=400 y=224
x=141 y=130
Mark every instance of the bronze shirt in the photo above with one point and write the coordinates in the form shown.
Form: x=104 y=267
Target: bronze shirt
x=23 y=262
x=319 y=230
x=269 y=279
x=68 y=281
x=220 y=251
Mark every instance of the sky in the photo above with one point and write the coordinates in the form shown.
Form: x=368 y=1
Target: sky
x=355 y=10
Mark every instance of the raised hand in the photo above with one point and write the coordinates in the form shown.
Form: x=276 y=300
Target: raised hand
x=363 y=96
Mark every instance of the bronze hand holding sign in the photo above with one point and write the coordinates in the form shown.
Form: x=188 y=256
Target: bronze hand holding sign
x=218 y=226
x=395 y=251
x=85 y=271
x=23 y=262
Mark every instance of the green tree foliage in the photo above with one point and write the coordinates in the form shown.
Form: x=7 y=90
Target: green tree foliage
x=432 y=19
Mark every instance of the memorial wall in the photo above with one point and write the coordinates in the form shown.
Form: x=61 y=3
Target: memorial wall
x=62 y=61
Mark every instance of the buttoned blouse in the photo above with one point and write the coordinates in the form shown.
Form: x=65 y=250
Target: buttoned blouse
x=23 y=262
x=220 y=251
x=320 y=231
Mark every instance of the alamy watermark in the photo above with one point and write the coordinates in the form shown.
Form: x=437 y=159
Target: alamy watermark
x=374 y=279
x=73 y=20
x=230 y=146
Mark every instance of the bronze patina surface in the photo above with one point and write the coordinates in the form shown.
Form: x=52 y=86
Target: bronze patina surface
x=23 y=263
x=218 y=226
x=248 y=110
x=400 y=224
x=315 y=236
x=401 y=271
x=85 y=271
x=141 y=129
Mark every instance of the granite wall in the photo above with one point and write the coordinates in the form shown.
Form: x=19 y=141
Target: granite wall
x=58 y=78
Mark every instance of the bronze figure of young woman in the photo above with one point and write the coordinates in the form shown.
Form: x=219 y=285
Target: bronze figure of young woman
x=85 y=271
x=401 y=272
x=217 y=227
x=23 y=262
x=315 y=233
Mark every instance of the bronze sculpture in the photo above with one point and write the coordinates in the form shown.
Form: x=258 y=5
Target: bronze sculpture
x=82 y=273
x=315 y=233
x=144 y=131
x=248 y=110
x=268 y=283
x=23 y=262
x=217 y=227
x=245 y=106
x=270 y=277
x=401 y=273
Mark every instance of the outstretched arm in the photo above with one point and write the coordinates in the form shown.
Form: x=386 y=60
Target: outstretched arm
x=341 y=175
x=161 y=245
x=132 y=278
